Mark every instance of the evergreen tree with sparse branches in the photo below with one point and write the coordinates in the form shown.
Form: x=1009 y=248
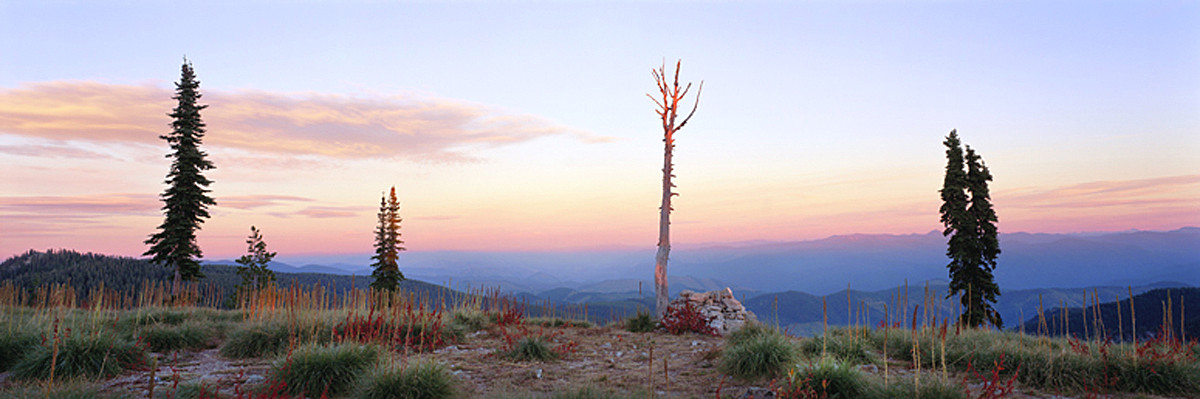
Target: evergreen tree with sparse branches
x=387 y=245
x=253 y=270
x=970 y=223
x=186 y=198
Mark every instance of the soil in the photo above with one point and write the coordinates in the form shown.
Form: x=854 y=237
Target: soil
x=607 y=358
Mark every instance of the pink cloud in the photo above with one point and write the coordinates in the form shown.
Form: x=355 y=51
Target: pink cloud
x=258 y=201
x=327 y=212
x=51 y=151
x=81 y=206
x=1153 y=192
x=312 y=124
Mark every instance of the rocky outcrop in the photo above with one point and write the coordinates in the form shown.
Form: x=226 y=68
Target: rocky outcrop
x=727 y=314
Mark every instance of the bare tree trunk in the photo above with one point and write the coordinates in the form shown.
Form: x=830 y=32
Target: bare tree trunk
x=664 y=231
x=667 y=107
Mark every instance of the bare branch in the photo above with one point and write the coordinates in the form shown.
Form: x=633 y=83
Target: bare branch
x=694 y=106
x=655 y=101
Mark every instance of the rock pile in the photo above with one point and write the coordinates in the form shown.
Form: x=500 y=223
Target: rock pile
x=728 y=315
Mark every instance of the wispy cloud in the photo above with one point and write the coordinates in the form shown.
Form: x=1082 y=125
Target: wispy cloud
x=258 y=201
x=329 y=212
x=1152 y=192
x=424 y=129
x=81 y=206
x=51 y=151
x=36 y=216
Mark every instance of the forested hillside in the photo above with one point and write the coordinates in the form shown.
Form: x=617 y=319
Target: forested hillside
x=1149 y=308
x=85 y=271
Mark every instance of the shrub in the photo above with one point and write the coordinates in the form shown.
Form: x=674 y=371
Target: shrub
x=314 y=370
x=14 y=345
x=423 y=380
x=757 y=356
x=686 y=318
x=90 y=355
x=641 y=323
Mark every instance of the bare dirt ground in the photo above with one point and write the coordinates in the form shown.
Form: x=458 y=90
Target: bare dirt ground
x=607 y=358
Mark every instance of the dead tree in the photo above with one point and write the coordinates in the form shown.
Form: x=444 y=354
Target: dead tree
x=667 y=107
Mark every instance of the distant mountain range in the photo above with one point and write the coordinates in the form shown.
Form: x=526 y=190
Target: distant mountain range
x=1113 y=321
x=606 y=300
x=869 y=262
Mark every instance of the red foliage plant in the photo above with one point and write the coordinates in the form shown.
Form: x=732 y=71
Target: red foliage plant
x=686 y=318
x=993 y=386
x=412 y=328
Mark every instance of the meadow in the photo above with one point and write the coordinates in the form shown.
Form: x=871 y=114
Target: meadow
x=293 y=343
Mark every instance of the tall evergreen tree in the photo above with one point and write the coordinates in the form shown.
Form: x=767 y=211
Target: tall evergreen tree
x=987 y=241
x=969 y=222
x=387 y=245
x=186 y=198
x=253 y=270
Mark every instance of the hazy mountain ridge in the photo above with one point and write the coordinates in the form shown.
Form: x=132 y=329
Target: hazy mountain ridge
x=869 y=261
x=802 y=311
x=1148 y=308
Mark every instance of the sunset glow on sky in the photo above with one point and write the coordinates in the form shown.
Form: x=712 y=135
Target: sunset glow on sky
x=521 y=126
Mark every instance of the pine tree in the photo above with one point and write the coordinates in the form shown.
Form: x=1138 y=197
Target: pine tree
x=987 y=242
x=186 y=199
x=387 y=245
x=253 y=270
x=973 y=245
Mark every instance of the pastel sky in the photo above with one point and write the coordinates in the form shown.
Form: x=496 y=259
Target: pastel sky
x=520 y=125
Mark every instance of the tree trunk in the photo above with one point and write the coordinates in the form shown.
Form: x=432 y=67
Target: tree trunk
x=664 y=231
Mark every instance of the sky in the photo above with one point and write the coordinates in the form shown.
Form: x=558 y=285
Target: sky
x=525 y=126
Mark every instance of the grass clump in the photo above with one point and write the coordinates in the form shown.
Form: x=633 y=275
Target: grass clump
x=314 y=370
x=466 y=319
x=190 y=390
x=71 y=389
x=256 y=340
x=92 y=355
x=166 y=337
x=930 y=387
x=757 y=354
x=643 y=322
x=847 y=348
x=529 y=349
x=587 y=392
x=422 y=380
x=14 y=345
x=828 y=379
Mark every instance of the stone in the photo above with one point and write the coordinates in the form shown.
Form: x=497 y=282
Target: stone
x=727 y=314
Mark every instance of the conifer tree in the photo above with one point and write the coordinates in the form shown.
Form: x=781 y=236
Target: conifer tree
x=987 y=242
x=969 y=221
x=253 y=270
x=387 y=245
x=186 y=199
